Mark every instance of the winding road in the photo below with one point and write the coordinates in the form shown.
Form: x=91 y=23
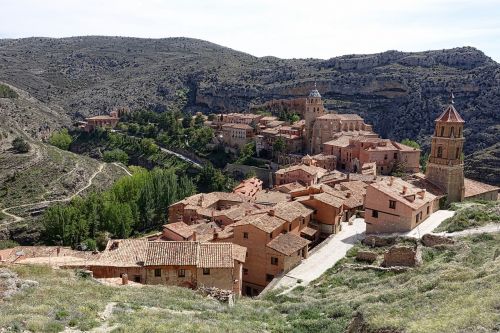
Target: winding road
x=18 y=218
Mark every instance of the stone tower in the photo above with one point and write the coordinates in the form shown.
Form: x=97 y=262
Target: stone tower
x=445 y=167
x=314 y=109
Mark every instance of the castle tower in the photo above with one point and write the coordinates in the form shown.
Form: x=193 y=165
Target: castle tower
x=314 y=109
x=445 y=167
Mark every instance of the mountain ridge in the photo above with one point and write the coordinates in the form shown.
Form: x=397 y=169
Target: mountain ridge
x=400 y=93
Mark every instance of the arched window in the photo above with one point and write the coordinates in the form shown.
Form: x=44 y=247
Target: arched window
x=459 y=132
x=440 y=152
x=458 y=153
x=452 y=132
x=442 y=130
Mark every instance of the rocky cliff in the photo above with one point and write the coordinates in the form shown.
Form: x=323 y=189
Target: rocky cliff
x=399 y=93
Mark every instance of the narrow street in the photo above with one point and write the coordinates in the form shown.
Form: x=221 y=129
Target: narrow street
x=323 y=257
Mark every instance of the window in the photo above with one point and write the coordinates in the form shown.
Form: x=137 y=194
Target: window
x=385 y=156
x=442 y=130
x=181 y=273
x=137 y=278
x=457 y=153
x=206 y=271
x=271 y=235
x=245 y=271
x=395 y=156
x=392 y=204
x=375 y=213
x=452 y=133
x=459 y=132
x=245 y=235
x=157 y=272
x=269 y=277
x=303 y=220
x=440 y=152
x=274 y=261
x=290 y=227
x=427 y=210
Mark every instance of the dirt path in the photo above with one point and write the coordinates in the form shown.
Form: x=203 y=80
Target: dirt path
x=123 y=168
x=485 y=229
x=18 y=218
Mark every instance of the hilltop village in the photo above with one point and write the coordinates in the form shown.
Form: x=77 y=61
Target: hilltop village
x=333 y=169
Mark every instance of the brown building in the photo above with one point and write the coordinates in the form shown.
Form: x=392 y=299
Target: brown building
x=394 y=205
x=237 y=135
x=205 y=206
x=445 y=167
x=104 y=121
x=274 y=243
x=304 y=174
x=249 y=187
x=187 y=264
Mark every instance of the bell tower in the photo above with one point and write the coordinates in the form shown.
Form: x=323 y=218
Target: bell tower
x=314 y=109
x=445 y=167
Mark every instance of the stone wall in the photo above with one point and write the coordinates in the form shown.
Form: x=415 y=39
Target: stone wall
x=402 y=256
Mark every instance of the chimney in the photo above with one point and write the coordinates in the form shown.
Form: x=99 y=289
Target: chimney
x=391 y=181
x=348 y=176
x=271 y=212
x=193 y=238
x=348 y=194
x=421 y=194
x=311 y=197
x=405 y=189
x=124 y=279
x=216 y=235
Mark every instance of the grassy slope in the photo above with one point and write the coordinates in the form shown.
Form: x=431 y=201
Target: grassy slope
x=455 y=290
x=471 y=215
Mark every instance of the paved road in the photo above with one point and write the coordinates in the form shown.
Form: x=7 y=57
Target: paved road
x=182 y=157
x=430 y=224
x=329 y=252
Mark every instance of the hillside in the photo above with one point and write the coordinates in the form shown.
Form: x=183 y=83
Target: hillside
x=45 y=174
x=455 y=290
x=399 y=93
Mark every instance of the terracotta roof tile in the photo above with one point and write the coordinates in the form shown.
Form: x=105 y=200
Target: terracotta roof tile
x=124 y=253
x=473 y=187
x=288 y=243
x=450 y=115
x=180 y=228
x=215 y=255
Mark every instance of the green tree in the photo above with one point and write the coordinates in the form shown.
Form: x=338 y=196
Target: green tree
x=116 y=155
x=20 y=145
x=199 y=121
x=211 y=179
x=7 y=92
x=411 y=143
x=187 y=121
x=279 y=145
x=61 y=139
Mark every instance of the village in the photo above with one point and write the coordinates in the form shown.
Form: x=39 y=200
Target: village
x=336 y=177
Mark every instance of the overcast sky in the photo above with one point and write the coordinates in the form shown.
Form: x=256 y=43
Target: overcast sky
x=287 y=29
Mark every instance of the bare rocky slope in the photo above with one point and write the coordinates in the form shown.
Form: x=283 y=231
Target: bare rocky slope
x=400 y=93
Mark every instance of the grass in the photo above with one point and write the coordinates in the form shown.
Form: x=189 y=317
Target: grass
x=7 y=92
x=470 y=215
x=455 y=290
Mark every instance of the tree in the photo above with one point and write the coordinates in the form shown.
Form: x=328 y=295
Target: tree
x=20 y=145
x=199 y=121
x=115 y=155
x=61 y=139
x=187 y=121
x=411 y=143
x=211 y=179
x=279 y=145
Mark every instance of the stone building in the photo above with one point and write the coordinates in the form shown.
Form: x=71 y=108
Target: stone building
x=274 y=243
x=304 y=174
x=237 y=135
x=104 y=121
x=394 y=205
x=445 y=167
x=186 y=264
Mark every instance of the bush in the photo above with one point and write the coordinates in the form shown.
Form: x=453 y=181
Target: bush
x=7 y=92
x=20 y=145
x=90 y=244
x=61 y=139
x=116 y=155
x=7 y=244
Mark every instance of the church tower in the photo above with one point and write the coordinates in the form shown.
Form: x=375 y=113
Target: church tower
x=314 y=109
x=445 y=167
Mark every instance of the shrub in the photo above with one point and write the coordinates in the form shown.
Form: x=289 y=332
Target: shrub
x=7 y=244
x=20 y=145
x=116 y=155
x=7 y=92
x=61 y=139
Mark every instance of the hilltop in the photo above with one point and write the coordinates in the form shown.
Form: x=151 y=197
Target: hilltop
x=400 y=93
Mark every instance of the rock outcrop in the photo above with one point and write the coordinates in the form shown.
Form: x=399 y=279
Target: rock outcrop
x=10 y=284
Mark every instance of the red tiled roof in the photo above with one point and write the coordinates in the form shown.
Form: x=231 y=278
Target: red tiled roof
x=214 y=255
x=450 y=115
x=473 y=188
x=180 y=228
x=172 y=253
x=288 y=243
x=124 y=253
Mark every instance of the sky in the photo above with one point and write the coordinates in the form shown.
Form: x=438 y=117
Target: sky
x=285 y=29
